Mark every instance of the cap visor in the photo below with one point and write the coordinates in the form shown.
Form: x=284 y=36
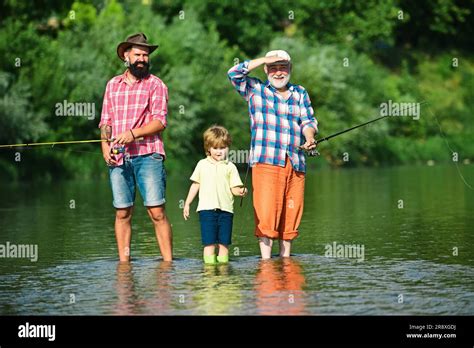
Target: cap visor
x=280 y=62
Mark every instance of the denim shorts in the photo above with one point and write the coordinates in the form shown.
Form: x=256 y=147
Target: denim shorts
x=216 y=227
x=147 y=172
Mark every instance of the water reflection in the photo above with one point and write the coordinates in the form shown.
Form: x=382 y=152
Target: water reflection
x=219 y=291
x=408 y=251
x=151 y=295
x=125 y=288
x=279 y=286
x=304 y=285
x=163 y=288
x=161 y=299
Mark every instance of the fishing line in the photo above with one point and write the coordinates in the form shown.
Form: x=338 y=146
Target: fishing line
x=246 y=176
x=449 y=147
x=79 y=151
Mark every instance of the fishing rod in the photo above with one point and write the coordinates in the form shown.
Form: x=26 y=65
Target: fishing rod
x=245 y=180
x=52 y=143
x=314 y=152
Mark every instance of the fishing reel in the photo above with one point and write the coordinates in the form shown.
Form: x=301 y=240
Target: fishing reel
x=313 y=153
x=118 y=149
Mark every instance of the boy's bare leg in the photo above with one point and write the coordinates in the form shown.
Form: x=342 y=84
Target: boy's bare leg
x=265 y=247
x=123 y=232
x=209 y=250
x=162 y=230
x=285 y=248
x=223 y=256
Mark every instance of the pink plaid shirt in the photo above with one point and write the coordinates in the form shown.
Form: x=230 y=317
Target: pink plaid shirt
x=127 y=107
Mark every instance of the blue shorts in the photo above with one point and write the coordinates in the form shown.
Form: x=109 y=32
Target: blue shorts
x=216 y=227
x=148 y=172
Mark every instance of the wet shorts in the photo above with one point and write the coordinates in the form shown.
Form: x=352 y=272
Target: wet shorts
x=216 y=226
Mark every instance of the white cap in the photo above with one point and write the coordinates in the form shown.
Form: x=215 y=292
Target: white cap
x=281 y=54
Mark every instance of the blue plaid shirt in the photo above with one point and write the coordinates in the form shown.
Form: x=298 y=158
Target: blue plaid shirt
x=276 y=124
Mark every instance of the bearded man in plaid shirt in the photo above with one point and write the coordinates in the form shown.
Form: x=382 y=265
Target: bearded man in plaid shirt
x=282 y=126
x=134 y=115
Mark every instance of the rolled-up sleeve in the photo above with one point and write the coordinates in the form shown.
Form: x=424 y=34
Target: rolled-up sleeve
x=196 y=176
x=106 y=116
x=159 y=103
x=238 y=76
x=235 y=180
x=307 y=113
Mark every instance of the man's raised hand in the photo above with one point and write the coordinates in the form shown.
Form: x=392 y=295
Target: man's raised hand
x=255 y=63
x=274 y=59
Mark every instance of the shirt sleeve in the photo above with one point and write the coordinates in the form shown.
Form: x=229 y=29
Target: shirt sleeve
x=238 y=76
x=307 y=113
x=106 y=116
x=234 y=176
x=159 y=103
x=196 y=176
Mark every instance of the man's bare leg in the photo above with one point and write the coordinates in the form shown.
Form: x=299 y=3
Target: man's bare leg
x=265 y=247
x=162 y=230
x=285 y=248
x=123 y=232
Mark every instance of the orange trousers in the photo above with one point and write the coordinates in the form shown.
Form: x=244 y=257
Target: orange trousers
x=278 y=195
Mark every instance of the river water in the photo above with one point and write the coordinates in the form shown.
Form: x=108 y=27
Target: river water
x=413 y=227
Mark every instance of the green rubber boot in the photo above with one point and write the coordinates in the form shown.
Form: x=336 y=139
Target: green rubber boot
x=210 y=259
x=223 y=259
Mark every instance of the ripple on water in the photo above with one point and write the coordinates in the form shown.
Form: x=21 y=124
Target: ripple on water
x=306 y=284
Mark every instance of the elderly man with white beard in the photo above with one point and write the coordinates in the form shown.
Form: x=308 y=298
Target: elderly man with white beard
x=282 y=126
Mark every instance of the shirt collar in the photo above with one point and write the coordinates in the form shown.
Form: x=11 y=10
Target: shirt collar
x=209 y=159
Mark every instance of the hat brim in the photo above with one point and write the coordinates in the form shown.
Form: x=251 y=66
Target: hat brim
x=123 y=46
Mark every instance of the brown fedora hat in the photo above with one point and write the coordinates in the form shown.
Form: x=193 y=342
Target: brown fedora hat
x=134 y=40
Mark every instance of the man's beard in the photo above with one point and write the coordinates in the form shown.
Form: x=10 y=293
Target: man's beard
x=139 y=72
x=280 y=83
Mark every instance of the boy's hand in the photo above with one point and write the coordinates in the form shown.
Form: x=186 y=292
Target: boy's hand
x=186 y=211
x=239 y=191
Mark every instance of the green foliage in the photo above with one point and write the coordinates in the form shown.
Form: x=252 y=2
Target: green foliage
x=359 y=24
x=17 y=120
x=435 y=25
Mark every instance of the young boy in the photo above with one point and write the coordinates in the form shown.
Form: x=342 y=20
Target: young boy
x=217 y=180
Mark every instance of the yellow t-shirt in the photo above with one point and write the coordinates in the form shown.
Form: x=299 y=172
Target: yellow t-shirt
x=215 y=180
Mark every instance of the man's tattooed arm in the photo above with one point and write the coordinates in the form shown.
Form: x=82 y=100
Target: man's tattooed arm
x=105 y=132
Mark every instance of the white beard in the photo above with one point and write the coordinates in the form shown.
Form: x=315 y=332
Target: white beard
x=279 y=83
